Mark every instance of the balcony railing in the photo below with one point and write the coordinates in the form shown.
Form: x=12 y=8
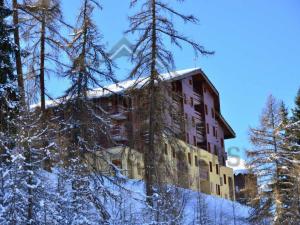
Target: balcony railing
x=120 y=113
x=118 y=133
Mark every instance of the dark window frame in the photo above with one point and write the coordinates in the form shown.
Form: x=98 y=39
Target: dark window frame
x=217 y=169
x=190 y=158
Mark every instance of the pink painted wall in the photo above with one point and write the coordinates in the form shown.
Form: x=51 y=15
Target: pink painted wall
x=212 y=122
x=189 y=110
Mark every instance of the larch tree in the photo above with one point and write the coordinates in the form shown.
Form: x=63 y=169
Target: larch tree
x=84 y=124
x=18 y=57
x=17 y=181
x=40 y=21
x=272 y=160
x=153 y=24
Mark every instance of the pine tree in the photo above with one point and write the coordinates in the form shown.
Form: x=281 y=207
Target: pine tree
x=296 y=110
x=8 y=97
x=8 y=88
x=153 y=26
x=294 y=140
x=286 y=177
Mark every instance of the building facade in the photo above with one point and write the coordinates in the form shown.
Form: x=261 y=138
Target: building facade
x=245 y=186
x=203 y=132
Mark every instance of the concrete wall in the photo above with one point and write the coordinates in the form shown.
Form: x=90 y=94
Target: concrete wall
x=132 y=165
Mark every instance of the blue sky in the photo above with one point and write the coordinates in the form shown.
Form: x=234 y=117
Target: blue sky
x=256 y=44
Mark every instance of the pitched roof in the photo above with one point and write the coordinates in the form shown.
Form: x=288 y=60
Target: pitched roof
x=140 y=82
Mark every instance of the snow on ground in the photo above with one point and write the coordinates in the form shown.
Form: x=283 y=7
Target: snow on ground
x=131 y=204
x=221 y=211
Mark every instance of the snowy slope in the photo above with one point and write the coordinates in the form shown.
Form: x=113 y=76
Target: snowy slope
x=128 y=206
x=221 y=211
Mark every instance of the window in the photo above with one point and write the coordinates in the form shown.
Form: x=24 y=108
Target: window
x=224 y=178
x=215 y=150
x=195 y=140
x=173 y=153
x=186 y=116
x=212 y=113
x=192 y=101
x=184 y=98
x=190 y=158
x=218 y=191
x=190 y=82
x=206 y=110
x=166 y=149
x=210 y=167
x=204 y=89
x=207 y=128
x=196 y=160
x=187 y=138
x=193 y=121
x=221 y=181
x=208 y=146
x=214 y=131
x=217 y=168
x=222 y=142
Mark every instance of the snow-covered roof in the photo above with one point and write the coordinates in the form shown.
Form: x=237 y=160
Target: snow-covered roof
x=126 y=85
x=137 y=83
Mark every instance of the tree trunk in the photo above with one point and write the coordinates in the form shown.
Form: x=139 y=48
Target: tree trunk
x=18 y=52
x=277 y=188
x=42 y=66
x=28 y=161
x=150 y=155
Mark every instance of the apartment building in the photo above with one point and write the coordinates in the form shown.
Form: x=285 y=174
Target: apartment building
x=202 y=138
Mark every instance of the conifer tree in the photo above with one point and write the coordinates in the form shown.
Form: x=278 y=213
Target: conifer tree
x=272 y=160
x=153 y=25
x=296 y=110
x=294 y=140
x=41 y=21
x=8 y=88
x=286 y=175
x=19 y=66
x=8 y=96
x=24 y=180
x=84 y=124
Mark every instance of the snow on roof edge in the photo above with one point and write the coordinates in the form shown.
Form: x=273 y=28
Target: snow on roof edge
x=123 y=86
